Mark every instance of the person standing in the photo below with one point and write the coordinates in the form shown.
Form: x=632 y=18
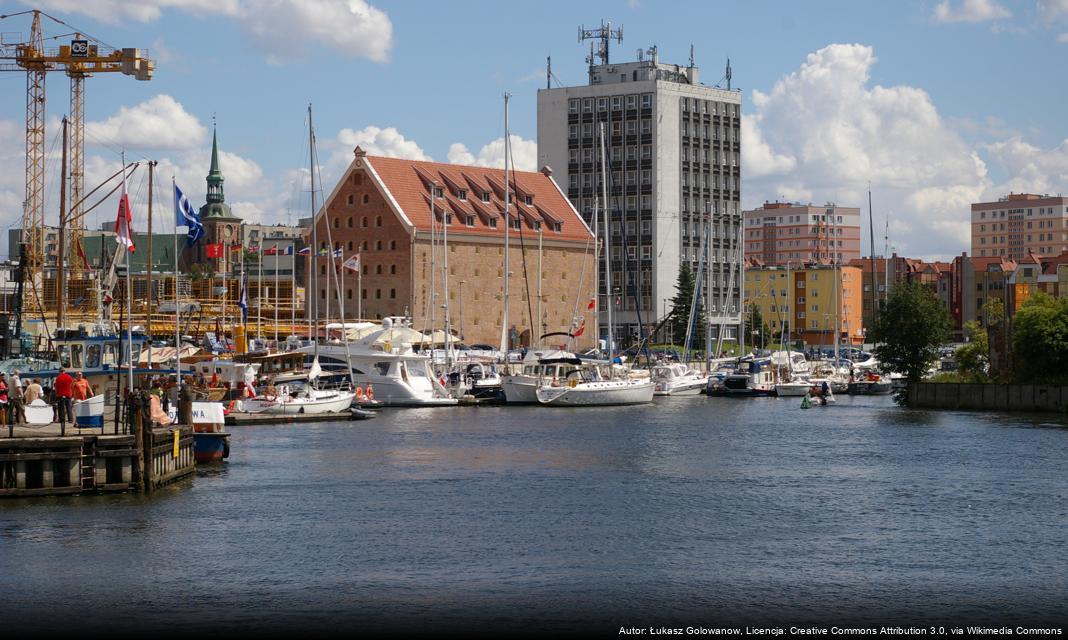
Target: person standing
x=63 y=390
x=3 y=400
x=80 y=388
x=18 y=414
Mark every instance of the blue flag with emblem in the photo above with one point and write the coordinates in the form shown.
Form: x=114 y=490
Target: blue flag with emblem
x=244 y=299
x=186 y=216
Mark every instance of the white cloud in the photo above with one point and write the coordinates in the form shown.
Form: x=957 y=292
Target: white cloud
x=1052 y=10
x=1030 y=168
x=279 y=27
x=970 y=11
x=351 y=27
x=158 y=123
x=1063 y=38
x=822 y=133
x=524 y=154
x=377 y=141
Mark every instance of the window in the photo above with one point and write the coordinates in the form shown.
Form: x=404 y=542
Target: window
x=366 y=198
x=351 y=199
x=378 y=294
x=337 y=223
x=463 y=195
x=363 y=221
x=378 y=221
x=349 y=222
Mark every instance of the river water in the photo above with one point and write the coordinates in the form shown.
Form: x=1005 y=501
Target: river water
x=695 y=511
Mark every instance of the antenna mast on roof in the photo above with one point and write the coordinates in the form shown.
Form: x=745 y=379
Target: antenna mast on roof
x=728 y=74
x=605 y=34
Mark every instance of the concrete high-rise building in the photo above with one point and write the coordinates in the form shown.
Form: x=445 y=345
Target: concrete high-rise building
x=673 y=162
x=781 y=232
x=1019 y=224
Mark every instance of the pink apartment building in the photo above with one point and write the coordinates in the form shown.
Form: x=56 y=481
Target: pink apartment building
x=1020 y=224
x=782 y=232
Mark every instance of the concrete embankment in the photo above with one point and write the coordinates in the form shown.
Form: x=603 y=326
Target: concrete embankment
x=999 y=397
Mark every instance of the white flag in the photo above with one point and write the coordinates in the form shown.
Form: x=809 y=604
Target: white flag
x=353 y=263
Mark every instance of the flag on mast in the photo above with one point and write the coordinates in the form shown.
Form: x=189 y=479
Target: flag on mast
x=123 y=230
x=353 y=263
x=244 y=298
x=186 y=216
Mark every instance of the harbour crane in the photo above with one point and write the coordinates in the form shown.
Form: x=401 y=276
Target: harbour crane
x=82 y=57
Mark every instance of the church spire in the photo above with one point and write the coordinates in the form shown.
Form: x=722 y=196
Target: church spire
x=215 y=178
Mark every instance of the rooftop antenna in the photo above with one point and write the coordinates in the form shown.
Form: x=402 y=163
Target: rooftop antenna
x=728 y=74
x=605 y=34
x=548 y=72
x=691 y=55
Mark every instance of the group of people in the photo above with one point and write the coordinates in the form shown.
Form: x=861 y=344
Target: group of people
x=15 y=394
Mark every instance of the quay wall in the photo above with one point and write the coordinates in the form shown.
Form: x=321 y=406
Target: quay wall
x=1000 y=397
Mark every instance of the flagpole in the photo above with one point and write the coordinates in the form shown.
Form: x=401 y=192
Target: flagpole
x=359 y=288
x=277 y=296
x=259 y=294
x=129 y=287
x=177 y=298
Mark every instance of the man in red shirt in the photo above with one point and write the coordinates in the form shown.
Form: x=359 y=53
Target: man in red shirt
x=63 y=394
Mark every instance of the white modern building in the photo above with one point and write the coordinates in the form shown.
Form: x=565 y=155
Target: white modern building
x=674 y=157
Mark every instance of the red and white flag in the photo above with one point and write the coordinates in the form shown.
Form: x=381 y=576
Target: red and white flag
x=592 y=304
x=123 y=230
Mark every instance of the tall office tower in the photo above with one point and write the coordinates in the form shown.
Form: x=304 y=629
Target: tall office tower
x=674 y=169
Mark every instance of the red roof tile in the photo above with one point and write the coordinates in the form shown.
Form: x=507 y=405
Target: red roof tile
x=408 y=181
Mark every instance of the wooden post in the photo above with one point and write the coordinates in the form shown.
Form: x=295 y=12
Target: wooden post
x=138 y=427
x=185 y=407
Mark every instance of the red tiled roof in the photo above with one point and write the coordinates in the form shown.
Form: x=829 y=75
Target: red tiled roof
x=408 y=181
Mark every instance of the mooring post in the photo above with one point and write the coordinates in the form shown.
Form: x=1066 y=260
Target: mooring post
x=138 y=427
x=185 y=407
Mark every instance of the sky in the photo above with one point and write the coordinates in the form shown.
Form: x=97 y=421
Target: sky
x=936 y=104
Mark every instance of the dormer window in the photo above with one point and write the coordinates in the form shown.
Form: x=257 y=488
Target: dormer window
x=485 y=196
x=469 y=221
x=516 y=224
x=493 y=223
x=556 y=227
x=463 y=195
x=438 y=192
x=537 y=225
x=528 y=199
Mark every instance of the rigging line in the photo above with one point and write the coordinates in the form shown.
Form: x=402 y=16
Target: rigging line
x=578 y=292
x=522 y=248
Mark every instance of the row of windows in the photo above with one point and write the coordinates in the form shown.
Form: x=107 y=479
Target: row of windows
x=1042 y=211
x=363 y=294
x=366 y=269
x=587 y=105
x=364 y=246
x=631 y=128
x=364 y=221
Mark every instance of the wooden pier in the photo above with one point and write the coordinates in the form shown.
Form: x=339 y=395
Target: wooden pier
x=40 y=461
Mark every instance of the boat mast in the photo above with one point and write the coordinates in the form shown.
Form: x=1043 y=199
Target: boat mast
x=507 y=223
x=836 y=283
x=871 y=260
x=315 y=241
x=607 y=246
x=61 y=276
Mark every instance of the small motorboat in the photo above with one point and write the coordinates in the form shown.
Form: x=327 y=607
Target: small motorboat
x=362 y=414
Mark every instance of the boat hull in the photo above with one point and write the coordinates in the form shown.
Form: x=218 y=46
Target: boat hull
x=792 y=390
x=695 y=388
x=211 y=446
x=596 y=394
x=89 y=413
x=335 y=403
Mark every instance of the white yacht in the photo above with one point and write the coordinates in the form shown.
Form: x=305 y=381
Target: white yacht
x=678 y=380
x=538 y=367
x=307 y=400
x=384 y=360
x=585 y=387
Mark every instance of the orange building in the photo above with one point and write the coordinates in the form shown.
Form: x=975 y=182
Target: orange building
x=804 y=302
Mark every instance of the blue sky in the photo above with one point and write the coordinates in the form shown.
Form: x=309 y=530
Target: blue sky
x=937 y=103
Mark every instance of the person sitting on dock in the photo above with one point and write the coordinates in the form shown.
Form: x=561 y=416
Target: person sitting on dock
x=80 y=388
x=33 y=391
x=62 y=387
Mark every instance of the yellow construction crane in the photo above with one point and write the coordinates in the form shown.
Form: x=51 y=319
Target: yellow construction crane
x=81 y=58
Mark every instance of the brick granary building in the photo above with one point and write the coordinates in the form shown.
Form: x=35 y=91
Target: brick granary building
x=399 y=215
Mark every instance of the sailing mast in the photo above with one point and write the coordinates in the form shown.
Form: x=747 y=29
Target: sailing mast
x=61 y=279
x=607 y=247
x=871 y=259
x=315 y=242
x=836 y=283
x=507 y=223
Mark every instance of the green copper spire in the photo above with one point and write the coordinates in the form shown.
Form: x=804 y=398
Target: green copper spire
x=215 y=179
x=216 y=206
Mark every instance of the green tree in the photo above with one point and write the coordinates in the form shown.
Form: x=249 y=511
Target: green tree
x=680 y=310
x=973 y=358
x=759 y=333
x=909 y=330
x=1040 y=340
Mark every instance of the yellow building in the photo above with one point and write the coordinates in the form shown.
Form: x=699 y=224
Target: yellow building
x=805 y=301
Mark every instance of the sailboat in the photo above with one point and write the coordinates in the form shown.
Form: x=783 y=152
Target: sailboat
x=310 y=399
x=594 y=384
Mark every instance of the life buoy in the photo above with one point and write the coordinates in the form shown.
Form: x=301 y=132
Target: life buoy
x=359 y=393
x=370 y=392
